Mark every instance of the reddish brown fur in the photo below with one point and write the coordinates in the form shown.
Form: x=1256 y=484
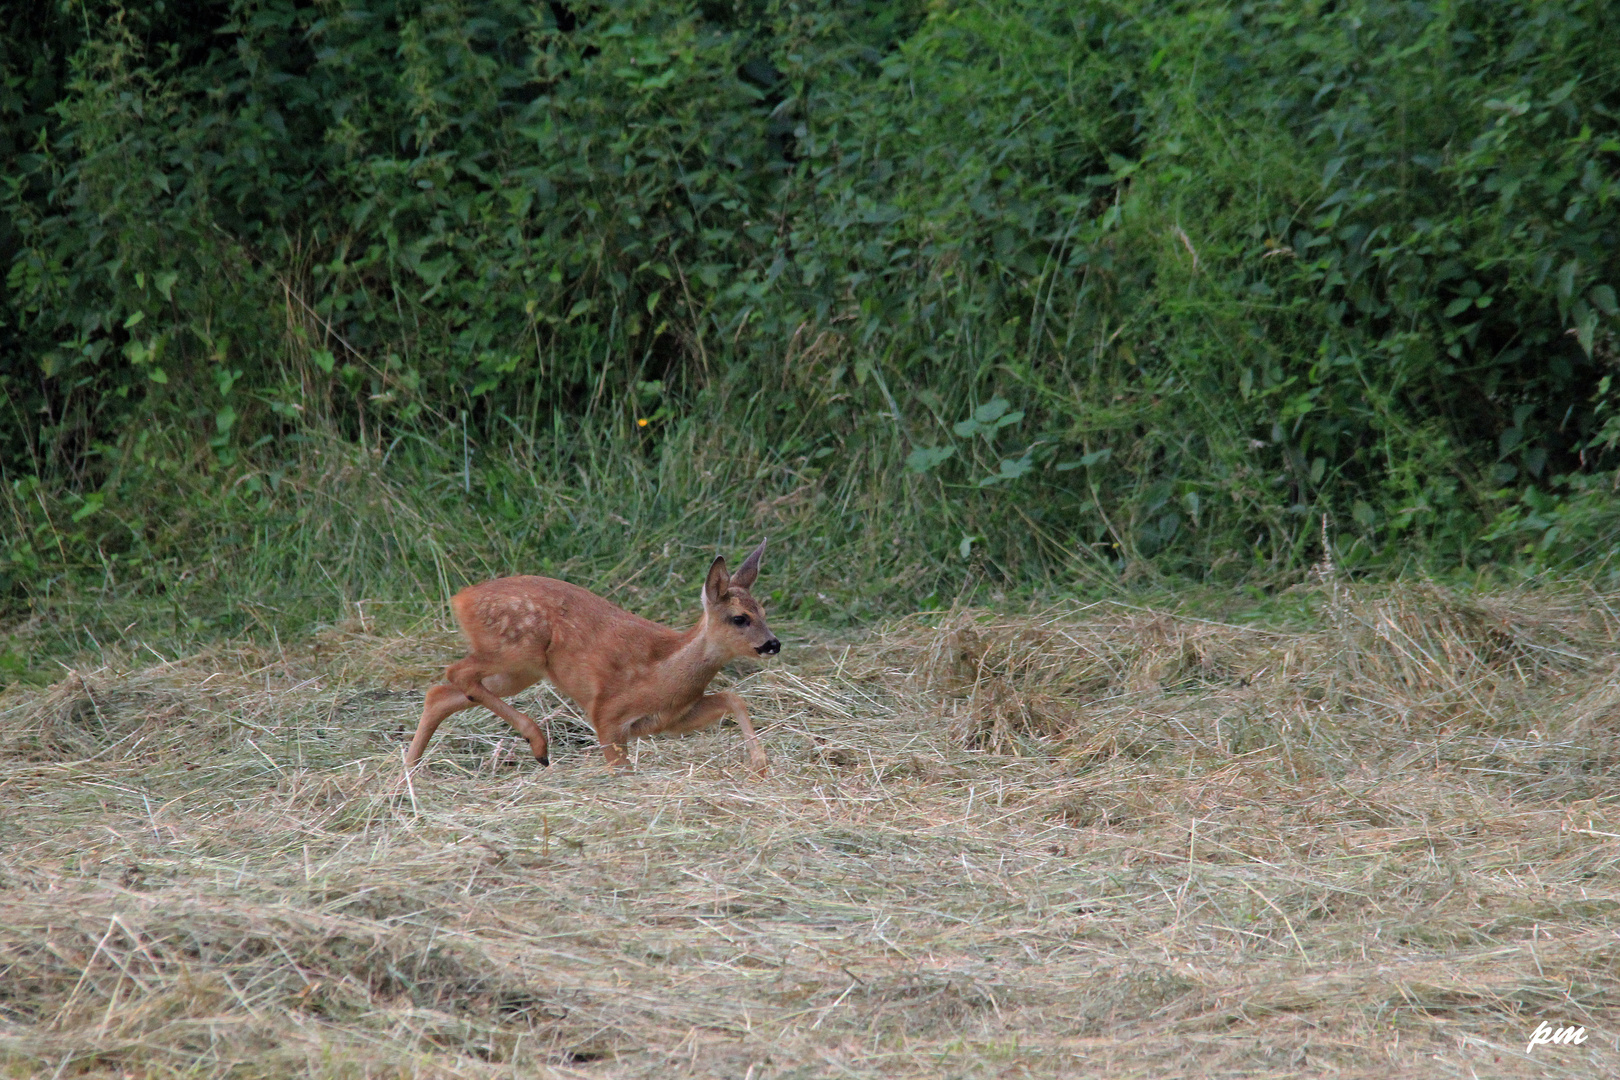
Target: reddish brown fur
x=631 y=676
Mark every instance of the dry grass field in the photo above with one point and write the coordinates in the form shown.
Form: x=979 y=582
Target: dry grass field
x=1092 y=841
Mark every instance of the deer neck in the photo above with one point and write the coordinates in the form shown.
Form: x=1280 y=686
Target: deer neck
x=697 y=658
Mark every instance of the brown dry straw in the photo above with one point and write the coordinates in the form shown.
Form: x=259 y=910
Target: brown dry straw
x=1094 y=840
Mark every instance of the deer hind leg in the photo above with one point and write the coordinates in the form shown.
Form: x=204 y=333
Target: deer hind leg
x=470 y=680
x=709 y=708
x=443 y=701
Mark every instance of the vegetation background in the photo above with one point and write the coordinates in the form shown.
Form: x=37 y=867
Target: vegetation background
x=313 y=302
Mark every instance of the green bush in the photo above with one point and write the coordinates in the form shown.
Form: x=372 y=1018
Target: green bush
x=1093 y=287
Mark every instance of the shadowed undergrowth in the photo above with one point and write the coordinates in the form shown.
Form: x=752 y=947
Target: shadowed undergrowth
x=1076 y=292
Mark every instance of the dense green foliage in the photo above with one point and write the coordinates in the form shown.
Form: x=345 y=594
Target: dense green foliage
x=1084 y=287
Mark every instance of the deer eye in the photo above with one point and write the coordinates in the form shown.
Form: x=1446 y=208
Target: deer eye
x=739 y=620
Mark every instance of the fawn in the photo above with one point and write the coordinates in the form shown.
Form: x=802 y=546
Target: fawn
x=631 y=676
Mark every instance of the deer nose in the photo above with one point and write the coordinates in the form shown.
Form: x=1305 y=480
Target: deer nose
x=770 y=648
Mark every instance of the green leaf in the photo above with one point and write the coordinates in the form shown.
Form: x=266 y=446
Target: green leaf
x=324 y=360
x=165 y=282
x=924 y=458
x=1566 y=280
x=990 y=417
x=1585 y=325
x=92 y=503
x=1013 y=468
x=1602 y=297
x=1009 y=469
x=134 y=319
x=991 y=410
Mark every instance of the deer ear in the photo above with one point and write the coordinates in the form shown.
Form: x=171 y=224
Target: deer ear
x=716 y=584
x=748 y=572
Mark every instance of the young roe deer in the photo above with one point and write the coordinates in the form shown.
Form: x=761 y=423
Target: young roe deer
x=631 y=676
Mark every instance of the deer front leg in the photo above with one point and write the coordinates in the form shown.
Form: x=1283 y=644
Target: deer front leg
x=615 y=753
x=707 y=710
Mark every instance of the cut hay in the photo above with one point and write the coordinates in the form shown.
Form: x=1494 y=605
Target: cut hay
x=1405 y=662
x=1092 y=841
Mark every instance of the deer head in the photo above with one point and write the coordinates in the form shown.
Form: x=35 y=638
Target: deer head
x=731 y=615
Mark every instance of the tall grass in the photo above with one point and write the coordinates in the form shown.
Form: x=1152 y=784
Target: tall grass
x=275 y=547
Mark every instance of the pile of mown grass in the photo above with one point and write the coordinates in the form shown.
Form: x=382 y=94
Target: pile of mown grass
x=1528 y=676
x=1101 y=840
